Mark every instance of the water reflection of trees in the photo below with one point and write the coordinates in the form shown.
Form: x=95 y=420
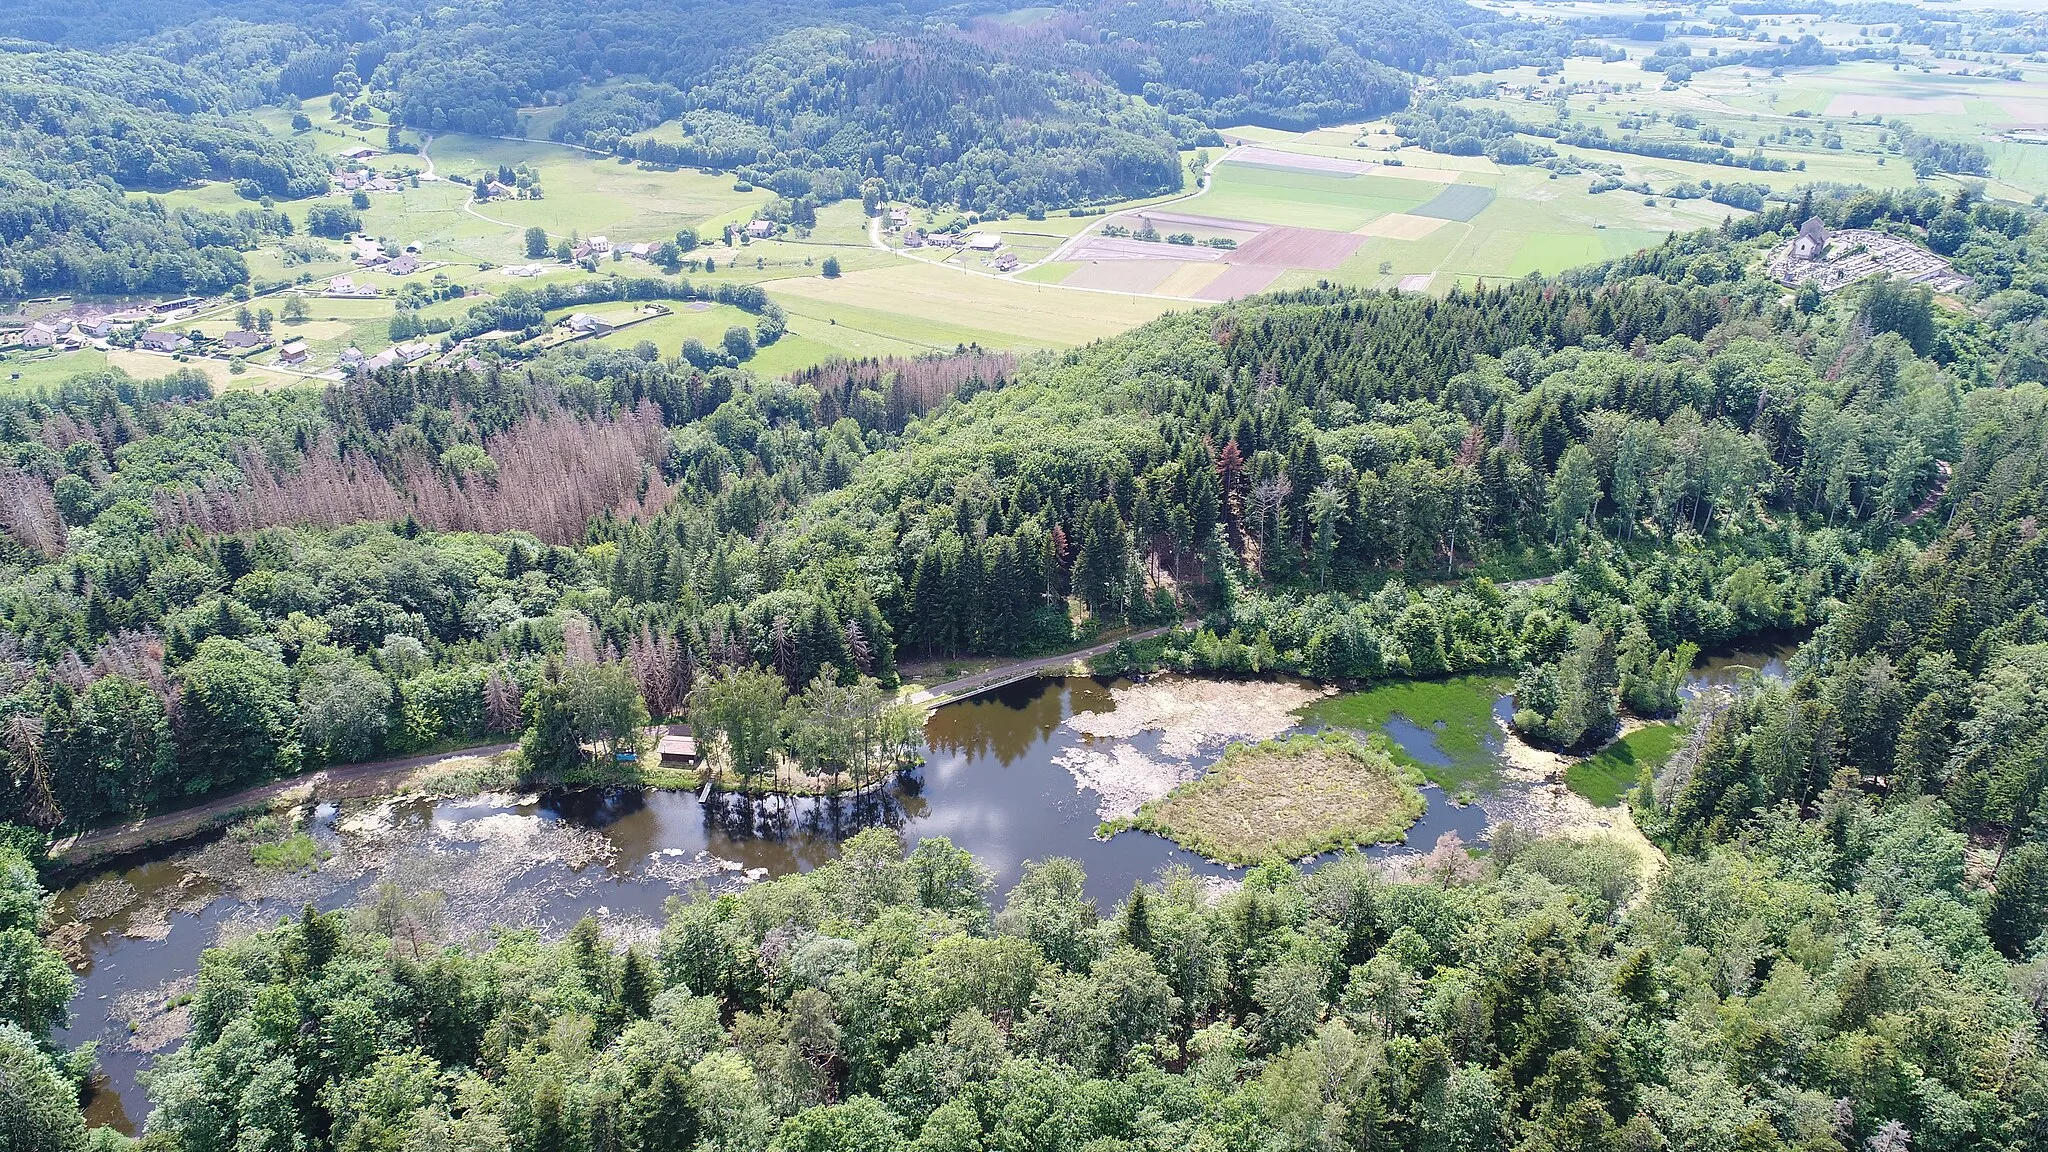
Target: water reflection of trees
x=1005 y=723
x=812 y=827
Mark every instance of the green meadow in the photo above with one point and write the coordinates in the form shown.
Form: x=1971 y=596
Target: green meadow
x=1607 y=776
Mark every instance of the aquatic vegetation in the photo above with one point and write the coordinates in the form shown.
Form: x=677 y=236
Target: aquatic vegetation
x=1445 y=728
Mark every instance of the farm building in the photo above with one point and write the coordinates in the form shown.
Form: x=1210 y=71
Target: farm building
x=985 y=242
x=360 y=152
x=404 y=265
x=294 y=352
x=584 y=324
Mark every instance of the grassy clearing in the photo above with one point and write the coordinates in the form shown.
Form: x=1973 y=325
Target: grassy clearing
x=1450 y=729
x=606 y=774
x=1286 y=799
x=1606 y=777
x=25 y=372
x=598 y=195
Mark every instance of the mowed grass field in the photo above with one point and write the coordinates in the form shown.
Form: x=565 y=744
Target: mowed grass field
x=1271 y=195
x=591 y=195
x=929 y=308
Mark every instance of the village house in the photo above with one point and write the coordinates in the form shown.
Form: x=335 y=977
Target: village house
x=162 y=340
x=761 y=229
x=350 y=181
x=400 y=355
x=244 y=340
x=294 y=352
x=495 y=190
x=643 y=251
x=1007 y=262
x=898 y=217
x=913 y=239
x=345 y=288
x=351 y=357
x=404 y=265
x=382 y=184
x=1812 y=239
x=39 y=335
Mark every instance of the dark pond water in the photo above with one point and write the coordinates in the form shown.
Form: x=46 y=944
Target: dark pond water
x=1765 y=655
x=991 y=783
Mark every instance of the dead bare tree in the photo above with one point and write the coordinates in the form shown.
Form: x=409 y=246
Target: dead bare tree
x=28 y=513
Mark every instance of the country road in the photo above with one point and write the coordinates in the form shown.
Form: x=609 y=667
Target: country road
x=118 y=839
x=1018 y=670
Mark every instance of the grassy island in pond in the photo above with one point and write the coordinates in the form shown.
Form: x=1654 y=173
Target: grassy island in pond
x=1288 y=799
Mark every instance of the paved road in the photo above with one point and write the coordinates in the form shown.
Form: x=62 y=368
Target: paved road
x=119 y=838
x=1003 y=674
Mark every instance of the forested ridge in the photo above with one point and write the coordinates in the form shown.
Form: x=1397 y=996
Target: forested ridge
x=951 y=106
x=1845 y=952
x=82 y=134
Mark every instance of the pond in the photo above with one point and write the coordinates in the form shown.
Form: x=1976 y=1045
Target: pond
x=1003 y=778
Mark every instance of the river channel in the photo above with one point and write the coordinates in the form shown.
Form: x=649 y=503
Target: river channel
x=1002 y=777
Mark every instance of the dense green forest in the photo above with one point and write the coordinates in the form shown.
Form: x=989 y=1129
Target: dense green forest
x=81 y=135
